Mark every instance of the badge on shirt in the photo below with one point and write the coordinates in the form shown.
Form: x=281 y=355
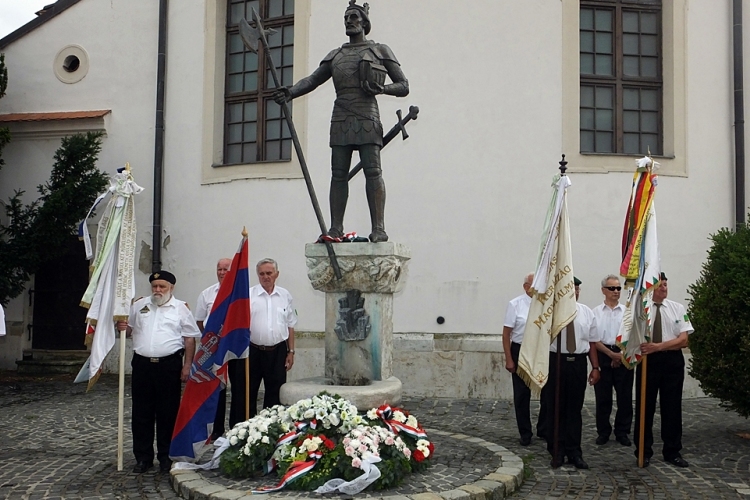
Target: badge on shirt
x=144 y=310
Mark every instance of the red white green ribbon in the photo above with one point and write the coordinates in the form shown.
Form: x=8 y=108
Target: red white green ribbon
x=296 y=470
x=385 y=412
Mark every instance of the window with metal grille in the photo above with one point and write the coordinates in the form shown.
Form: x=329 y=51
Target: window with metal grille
x=254 y=128
x=621 y=78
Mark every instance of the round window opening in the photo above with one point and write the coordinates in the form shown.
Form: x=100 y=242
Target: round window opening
x=71 y=64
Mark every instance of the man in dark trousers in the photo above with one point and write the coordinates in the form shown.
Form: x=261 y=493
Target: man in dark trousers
x=578 y=343
x=513 y=329
x=271 y=355
x=665 y=375
x=614 y=375
x=358 y=70
x=164 y=333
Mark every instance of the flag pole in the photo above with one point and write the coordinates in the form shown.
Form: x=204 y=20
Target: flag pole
x=642 y=416
x=247 y=362
x=556 y=425
x=121 y=404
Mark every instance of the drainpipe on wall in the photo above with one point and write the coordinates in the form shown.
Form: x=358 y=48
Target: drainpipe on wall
x=159 y=137
x=739 y=116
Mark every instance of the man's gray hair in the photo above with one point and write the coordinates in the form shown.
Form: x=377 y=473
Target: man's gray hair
x=267 y=261
x=528 y=278
x=610 y=277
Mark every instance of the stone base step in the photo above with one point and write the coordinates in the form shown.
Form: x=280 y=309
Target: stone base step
x=44 y=361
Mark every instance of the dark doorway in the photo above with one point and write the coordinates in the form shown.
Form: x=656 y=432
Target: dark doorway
x=59 y=322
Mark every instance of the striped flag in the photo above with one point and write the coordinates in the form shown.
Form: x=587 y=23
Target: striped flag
x=226 y=337
x=640 y=262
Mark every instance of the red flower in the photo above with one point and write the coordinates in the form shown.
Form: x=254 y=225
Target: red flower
x=418 y=455
x=328 y=443
x=431 y=447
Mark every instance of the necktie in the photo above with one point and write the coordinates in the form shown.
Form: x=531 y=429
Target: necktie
x=656 y=330
x=570 y=338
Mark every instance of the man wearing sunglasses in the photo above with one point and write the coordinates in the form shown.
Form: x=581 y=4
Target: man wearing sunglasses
x=614 y=375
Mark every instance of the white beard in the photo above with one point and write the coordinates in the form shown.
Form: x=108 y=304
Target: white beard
x=160 y=300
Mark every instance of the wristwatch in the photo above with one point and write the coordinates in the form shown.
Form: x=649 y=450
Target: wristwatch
x=596 y=368
x=290 y=351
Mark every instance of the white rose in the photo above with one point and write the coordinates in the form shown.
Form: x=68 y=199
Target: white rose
x=233 y=440
x=265 y=440
x=309 y=413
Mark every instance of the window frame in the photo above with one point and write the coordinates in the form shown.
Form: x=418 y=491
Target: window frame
x=261 y=96
x=674 y=95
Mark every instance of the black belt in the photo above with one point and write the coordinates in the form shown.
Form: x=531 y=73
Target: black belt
x=267 y=347
x=163 y=358
x=571 y=357
x=611 y=347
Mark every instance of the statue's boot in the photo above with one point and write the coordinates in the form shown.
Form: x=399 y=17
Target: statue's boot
x=375 y=189
x=337 y=198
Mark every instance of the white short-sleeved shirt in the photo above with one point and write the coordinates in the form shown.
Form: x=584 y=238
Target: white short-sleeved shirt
x=158 y=330
x=2 y=321
x=608 y=321
x=271 y=315
x=674 y=320
x=585 y=325
x=515 y=317
x=206 y=302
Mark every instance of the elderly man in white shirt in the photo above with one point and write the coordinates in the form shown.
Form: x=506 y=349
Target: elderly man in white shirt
x=272 y=321
x=164 y=333
x=203 y=308
x=513 y=327
x=665 y=376
x=578 y=343
x=615 y=376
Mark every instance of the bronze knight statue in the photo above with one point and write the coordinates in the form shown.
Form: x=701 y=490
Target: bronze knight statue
x=358 y=69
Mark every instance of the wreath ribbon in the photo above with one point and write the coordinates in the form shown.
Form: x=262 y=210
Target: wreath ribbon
x=385 y=412
x=296 y=470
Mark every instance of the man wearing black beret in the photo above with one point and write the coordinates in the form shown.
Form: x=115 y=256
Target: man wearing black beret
x=163 y=329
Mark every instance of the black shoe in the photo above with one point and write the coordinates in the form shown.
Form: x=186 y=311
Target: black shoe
x=525 y=441
x=578 y=463
x=165 y=465
x=142 y=467
x=677 y=461
x=557 y=463
x=602 y=440
x=624 y=440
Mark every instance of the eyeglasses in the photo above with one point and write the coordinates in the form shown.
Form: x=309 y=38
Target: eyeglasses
x=613 y=288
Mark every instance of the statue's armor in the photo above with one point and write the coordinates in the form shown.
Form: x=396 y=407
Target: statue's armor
x=355 y=119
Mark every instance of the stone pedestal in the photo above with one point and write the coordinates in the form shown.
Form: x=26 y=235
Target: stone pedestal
x=359 y=321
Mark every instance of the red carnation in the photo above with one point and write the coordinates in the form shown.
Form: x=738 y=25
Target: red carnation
x=328 y=443
x=431 y=447
x=418 y=455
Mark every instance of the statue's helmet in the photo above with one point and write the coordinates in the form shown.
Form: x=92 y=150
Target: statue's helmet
x=364 y=11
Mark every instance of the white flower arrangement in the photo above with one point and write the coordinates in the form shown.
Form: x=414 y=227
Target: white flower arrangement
x=364 y=441
x=329 y=411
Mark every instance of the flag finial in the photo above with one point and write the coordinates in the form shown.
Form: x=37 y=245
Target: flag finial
x=563 y=165
x=244 y=232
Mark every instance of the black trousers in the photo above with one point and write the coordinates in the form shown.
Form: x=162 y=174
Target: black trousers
x=521 y=398
x=665 y=375
x=156 y=391
x=621 y=380
x=221 y=414
x=573 y=377
x=267 y=366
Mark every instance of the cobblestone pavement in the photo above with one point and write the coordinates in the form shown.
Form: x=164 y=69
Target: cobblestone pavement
x=58 y=442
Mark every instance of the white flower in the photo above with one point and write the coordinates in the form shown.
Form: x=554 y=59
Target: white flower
x=334 y=419
x=372 y=414
x=309 y=413
x=233 y=440
x=411 y=421
x=265 y=440
x=399 y=417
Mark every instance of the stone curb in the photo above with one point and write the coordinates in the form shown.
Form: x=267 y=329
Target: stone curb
x=508 y=478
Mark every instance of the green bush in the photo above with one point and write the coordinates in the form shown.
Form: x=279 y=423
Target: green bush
x=720 y=312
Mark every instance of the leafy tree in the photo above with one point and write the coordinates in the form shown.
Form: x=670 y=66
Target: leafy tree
x=720 y=312
x=37 y=233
